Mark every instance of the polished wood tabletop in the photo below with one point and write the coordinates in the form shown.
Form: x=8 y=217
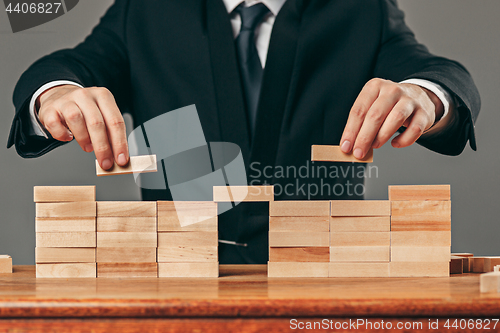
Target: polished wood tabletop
x=243 y=295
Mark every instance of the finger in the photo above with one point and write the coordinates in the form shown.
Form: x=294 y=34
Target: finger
x=419 y=123
x=115 y=124
x=374 y=119
x=75 y=121
x=396 y=118
x=96 y=128
x=363 y=102
x=53 y=122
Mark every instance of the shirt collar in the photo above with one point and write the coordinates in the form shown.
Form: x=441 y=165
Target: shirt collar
x=273 y=5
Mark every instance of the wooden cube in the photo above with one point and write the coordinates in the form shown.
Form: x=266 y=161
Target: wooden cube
x=243 y=193
x=420 y=223
x=66 y=239
x=489 y=282
x=490 y=262
x=126 y=224
x=126 y=239
x=360 y=224
x=307 y=223
x=421 y=208
x=360 y=253
x=420 y=269
x=66 y=209
x=126 y=254
x=360 y=208
x=358 y=269
x=127 y=270
x=137 y=164
x=299 y=208
x=63 y=193
x=420 y=193
x=360 y=239
x=335 y=154
x=420 y=238
x=85 y=224
x=478 y=265
x=189 y=270
x=299 y=254
x=420 y=253
x=49 y=255
x=456 y=265
x=298 y=239
x=297 y=269
x=188 y=238
x=126 y=208
x=5 y=264
x=188 y=254
x=80 y=270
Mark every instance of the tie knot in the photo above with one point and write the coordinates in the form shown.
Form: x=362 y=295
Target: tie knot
x=251 y=16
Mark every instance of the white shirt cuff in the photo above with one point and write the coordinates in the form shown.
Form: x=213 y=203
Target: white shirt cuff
x=36 y=126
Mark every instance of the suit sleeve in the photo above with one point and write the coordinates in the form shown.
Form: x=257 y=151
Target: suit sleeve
x=401 y=57
x=101 y=60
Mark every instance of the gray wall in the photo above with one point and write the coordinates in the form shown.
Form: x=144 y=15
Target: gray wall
x=465 y=30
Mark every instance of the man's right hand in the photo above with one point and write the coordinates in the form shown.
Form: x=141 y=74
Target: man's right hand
x=91 y=116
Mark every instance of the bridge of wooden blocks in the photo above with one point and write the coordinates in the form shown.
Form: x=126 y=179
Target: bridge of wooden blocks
x=408 y=235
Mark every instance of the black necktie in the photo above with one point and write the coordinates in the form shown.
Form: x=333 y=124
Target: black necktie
x=250 y=65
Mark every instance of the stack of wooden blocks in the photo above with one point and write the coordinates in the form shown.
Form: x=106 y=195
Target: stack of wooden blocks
x=65 y=231
x=187 y=239
x=420 y=230
x=126 y=239
x=360 y=238
x=299 y=238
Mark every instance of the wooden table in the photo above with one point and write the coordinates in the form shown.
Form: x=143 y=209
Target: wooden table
x=243 y=299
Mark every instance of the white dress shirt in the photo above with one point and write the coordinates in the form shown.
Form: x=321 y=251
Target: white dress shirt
x=262 y=38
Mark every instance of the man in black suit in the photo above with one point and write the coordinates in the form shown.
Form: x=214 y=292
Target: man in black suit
x=272 y=76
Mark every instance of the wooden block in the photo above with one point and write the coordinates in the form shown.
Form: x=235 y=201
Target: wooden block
x=420 y=193
x=420 y=223
x=490 y=262
x=421 y=208
x=66 y=239
x=173 y=214
x=419 y=269
x=299 y=254
x=420 y=253
x=243 y=193
x=126 y=254
x=189 y=270
x=126 y=208
x=127 y=270
x=81 y=270
x=126 y=239
x=191 y=223
x=299 y=208
x=358 y=269
x=420 y=238
x=496 y=268
x=298 y=239
x=307 y=223
x=87 y=224
x=489 y=282
x=51 y=255
x=5 y=264
x=188 y=238
x=468 y=262
x=334 y=154
x=63 y=193
x=297 y=269
x=126 y=224
x=360 y=239
x=137 y=164
x=188 y=254
x=361 y=208
x=360 y=253
x=66 y=209
x=478 y=265
x=456 y=265
x=360 y=224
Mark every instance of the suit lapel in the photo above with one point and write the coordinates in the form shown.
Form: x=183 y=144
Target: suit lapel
x=276 y=83
x=229 y=95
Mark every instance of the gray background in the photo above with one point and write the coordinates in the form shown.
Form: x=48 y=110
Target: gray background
x=465 y=30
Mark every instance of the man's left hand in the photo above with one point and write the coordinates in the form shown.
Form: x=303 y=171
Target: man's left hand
x=382 y=108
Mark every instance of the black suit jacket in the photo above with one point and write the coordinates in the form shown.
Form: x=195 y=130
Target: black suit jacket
x=158 y=55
